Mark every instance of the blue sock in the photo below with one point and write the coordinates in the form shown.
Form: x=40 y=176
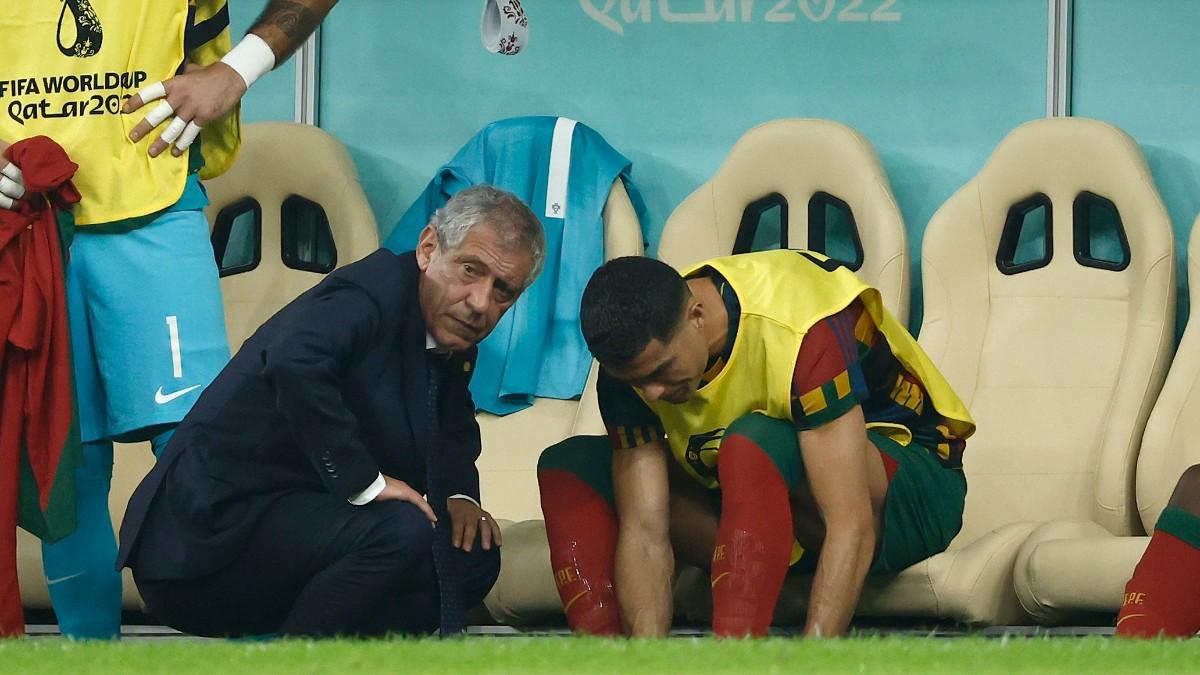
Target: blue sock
x=84 y=588
x=159 y=442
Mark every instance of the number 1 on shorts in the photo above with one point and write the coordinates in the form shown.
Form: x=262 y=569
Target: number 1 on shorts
x=176 y=355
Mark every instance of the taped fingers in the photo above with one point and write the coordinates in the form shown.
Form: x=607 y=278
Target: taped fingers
x=159 y=114
x=12 y=185
x=14 y=172
x=152 y=92
x=187 y=137
x=155 y=117
x=11 y=188
x=174 y=129
x=146 y=94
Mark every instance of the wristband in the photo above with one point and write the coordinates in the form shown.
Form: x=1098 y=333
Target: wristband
x=251 y=58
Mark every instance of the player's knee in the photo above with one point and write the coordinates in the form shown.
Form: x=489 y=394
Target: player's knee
x=575 y=463
x=1190 y=480
x=774 y=438
x=1187 y=490
x=555 y=456
x=574 y=453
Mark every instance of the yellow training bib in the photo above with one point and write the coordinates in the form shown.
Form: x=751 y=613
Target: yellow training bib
x=782 y=295
x=68 y=67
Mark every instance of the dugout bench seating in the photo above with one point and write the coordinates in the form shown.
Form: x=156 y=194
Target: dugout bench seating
x=1075 y=570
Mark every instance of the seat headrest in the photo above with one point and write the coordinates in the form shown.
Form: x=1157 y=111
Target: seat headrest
x=298 y=174
x=281 y=159
x=810 y=172
x=1061 y=159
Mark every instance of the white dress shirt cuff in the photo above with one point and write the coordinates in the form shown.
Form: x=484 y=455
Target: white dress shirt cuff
x=470 y=499
x=367 y=496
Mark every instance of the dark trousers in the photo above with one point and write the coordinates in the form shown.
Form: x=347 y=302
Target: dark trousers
x=319 y=566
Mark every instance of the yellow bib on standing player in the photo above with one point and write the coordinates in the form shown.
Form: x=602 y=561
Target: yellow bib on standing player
x=69 y=66
x=782 y=294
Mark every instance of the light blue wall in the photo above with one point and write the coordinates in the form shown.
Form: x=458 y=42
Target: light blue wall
x=1135 y=65
x=273 y=96
x=404 y=84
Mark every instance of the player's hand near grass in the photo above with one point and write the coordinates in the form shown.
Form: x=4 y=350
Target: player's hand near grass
x=849 y=484
x=645 y=561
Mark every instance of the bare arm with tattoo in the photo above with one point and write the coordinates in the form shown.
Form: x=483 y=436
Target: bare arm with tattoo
x=201 y=95
x=286 y=24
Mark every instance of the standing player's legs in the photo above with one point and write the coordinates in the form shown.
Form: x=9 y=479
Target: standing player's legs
x=1163 y=597
x=85 y=589
x=148 y=335
x=157 y=322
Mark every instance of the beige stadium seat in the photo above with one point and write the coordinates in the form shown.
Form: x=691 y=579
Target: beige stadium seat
x=1056 y=332
x=796 y=183
x=278 y=161
x=285 y=167
x=525 y=591
x=1073 y=570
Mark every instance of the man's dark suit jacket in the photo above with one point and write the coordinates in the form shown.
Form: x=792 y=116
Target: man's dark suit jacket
x=328 y=393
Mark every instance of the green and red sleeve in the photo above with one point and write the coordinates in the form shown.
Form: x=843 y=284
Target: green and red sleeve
x=627 y=419
x=828 y=378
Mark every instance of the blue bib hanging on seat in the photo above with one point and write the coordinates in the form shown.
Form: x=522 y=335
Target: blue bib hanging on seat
x=537 y=349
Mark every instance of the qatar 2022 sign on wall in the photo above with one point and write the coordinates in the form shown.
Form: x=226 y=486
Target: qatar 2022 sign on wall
x=615 y=15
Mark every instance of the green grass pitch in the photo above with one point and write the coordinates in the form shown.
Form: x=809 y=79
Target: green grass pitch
x=1077 y=656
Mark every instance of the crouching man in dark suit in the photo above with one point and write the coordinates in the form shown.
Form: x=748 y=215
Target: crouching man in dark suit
x=290 y=499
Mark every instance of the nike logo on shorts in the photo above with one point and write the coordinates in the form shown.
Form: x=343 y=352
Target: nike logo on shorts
x=59 y=580
x=162 y=399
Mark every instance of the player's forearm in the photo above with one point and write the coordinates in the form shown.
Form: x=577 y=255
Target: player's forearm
x=845 y=559
x=286 y=24
x=644 y=568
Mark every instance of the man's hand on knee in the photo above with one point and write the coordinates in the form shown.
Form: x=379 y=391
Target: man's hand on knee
x=468 y=520
x=398 y=490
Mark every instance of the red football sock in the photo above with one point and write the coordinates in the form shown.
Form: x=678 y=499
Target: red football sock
x=582 y=528
x=754 y=540
x=1163 y=597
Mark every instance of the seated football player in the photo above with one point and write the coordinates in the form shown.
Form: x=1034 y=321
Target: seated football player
x=764 y=413
x=1163 y=597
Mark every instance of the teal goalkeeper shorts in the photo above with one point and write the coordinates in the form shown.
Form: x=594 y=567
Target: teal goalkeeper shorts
x=147 y=324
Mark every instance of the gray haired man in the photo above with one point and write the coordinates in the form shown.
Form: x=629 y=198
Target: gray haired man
x=290 y=500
